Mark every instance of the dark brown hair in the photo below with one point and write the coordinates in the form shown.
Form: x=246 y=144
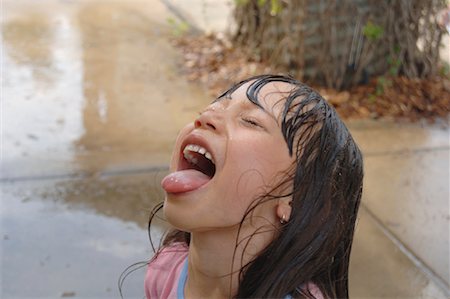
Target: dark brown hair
x=314 y=246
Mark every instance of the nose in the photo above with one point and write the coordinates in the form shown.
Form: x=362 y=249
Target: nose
x=209 y=119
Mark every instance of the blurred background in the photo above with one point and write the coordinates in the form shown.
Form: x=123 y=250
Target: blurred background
x=94 y=92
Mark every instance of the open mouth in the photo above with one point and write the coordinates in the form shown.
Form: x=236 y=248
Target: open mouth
x=198 y=158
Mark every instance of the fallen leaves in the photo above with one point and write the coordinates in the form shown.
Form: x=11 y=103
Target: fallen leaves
x=214 y=62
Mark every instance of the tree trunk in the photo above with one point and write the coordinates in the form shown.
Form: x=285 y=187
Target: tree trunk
x=340 y=43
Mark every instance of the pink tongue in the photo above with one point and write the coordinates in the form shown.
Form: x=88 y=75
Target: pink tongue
x=184 y=181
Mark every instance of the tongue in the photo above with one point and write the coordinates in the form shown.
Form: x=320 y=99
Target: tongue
x=184 y=181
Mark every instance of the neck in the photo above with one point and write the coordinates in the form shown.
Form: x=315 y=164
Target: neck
x=215 y=261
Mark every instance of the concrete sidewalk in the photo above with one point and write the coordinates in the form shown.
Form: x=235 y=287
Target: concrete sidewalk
x=203 y=15
x=406 y=191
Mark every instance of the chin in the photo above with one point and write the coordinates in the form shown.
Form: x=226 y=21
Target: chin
x=176 y=216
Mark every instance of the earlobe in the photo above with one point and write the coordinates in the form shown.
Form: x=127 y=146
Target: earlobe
x=284 y=210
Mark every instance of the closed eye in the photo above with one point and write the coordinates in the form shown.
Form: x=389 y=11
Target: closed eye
x=252 y=122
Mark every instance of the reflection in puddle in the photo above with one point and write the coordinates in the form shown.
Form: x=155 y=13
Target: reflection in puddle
x=129 y=198
x=111 y=96
x=29 y=42
x=42 y=95
x=77 y=236
x=134 y=100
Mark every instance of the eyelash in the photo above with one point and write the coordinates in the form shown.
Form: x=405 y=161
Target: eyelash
x=251 y=122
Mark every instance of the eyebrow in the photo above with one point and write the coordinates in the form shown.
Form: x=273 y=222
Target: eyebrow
x=228 y=95
x=259 y=107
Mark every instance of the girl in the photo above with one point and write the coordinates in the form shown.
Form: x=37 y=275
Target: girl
x=263 y=193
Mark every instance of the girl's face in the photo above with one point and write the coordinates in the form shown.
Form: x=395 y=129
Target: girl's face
x=250 y=157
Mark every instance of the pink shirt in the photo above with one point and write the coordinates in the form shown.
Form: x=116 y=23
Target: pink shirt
x=163 y=274
x=166 y=275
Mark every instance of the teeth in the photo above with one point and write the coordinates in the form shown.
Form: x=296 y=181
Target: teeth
x=198 y=149
x=208 y=156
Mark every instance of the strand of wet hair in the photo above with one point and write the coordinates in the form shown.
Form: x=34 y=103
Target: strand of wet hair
x=130 y=269
x=153 y=214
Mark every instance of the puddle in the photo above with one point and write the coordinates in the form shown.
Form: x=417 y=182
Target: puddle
x=76 y=237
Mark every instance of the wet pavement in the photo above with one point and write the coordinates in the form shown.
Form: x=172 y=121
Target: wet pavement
x=91 y=103
x=92 y=81
x=406 y=191
x=92 y=100
x=73 y=238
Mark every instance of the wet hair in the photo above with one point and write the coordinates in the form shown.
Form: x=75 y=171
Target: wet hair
x=326 y=185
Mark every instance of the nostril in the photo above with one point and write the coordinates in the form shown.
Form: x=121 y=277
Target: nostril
x=198 y=123
x=211 y=126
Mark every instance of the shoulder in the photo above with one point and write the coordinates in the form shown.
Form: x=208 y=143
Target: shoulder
x=169 y=256
x=164 y=270
x=310 y=289
x=314 y=290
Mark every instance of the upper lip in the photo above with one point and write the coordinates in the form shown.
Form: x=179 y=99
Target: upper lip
x=195 y=138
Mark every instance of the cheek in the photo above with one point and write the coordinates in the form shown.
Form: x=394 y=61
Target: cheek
x=248 y=177
x=177 y=147
x=258 y=168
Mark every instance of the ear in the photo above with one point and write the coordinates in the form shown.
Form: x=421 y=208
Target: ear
x=284 y=210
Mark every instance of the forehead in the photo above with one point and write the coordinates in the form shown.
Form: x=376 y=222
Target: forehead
x=270 y=97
